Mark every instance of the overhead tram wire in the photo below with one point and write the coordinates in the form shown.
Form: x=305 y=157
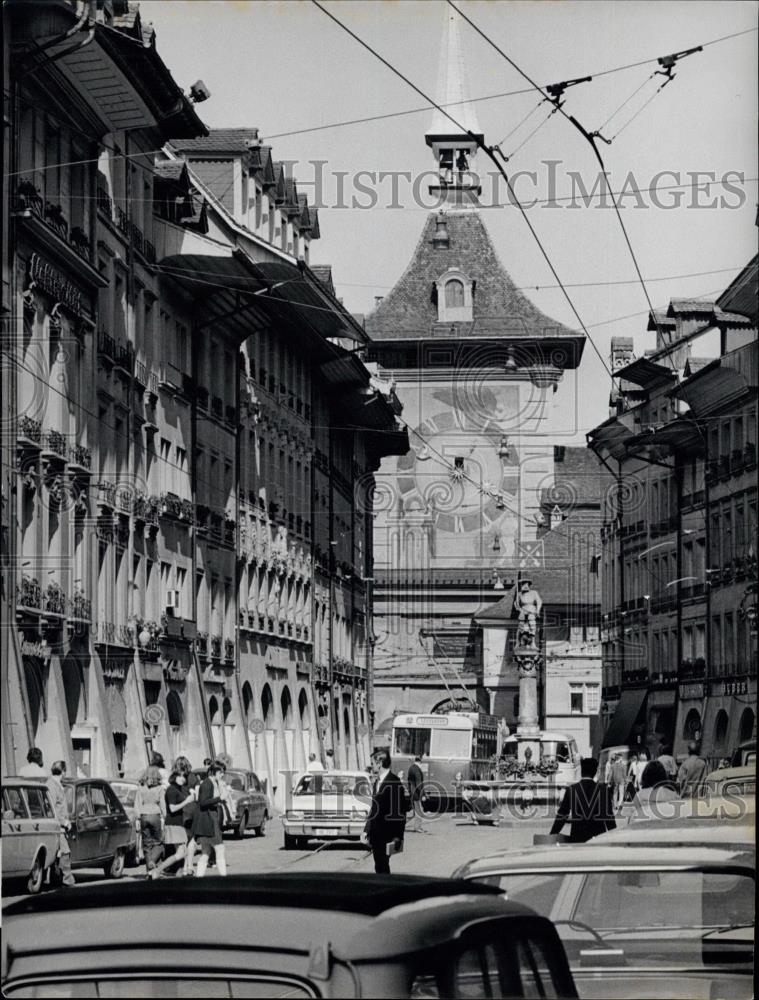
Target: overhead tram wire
x=667 y=63
x=489 y=152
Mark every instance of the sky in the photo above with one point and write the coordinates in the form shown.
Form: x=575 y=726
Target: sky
x=285 y=66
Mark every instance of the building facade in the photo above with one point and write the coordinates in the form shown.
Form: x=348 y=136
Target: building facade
x=191 y=571
x=679 y=530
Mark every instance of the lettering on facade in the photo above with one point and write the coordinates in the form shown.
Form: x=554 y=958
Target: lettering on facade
x=734 y=687
x=39 y=649
x=46 y=278
x=115 y=669
x=691 y=691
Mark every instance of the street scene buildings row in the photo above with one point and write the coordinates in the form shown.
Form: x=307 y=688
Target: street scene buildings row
x=186 y=429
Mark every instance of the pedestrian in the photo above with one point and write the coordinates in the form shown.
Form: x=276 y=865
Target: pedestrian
x=207 y=762
x=415 y=781
x=651 y=800
x=386 y=824
x=207 y=827
x=587 y=805
x=314 y=764
x=150 y=807
x=637 y=767
x=618 y=781
x=175 y=837
x=34 y=767
x=691 y=772
x=189 y=812
x=58 y=800
x=667 y=761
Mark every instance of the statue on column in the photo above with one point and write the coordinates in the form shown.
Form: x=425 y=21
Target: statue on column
x=528 y=604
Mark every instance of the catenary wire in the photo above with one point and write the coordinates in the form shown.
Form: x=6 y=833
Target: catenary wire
x=490 y=153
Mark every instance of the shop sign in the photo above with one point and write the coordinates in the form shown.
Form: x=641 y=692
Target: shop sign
x=115 y=669
x=691 y=691
x=45 y=277
x=39 y=649
x=175 y=671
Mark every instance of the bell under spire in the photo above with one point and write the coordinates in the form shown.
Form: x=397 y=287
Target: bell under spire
x=454 y=143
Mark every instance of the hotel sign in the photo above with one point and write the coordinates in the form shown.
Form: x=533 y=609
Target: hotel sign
x=45 y=277
x=39 y=649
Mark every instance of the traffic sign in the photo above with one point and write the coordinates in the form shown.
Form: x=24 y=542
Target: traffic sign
x=153 y=715
x=256 y=726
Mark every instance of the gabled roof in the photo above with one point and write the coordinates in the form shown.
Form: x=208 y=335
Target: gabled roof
x=742 y=294
x=172 y=170
x=324 y=273
x=280 y=190
x=220 y=140
x=659 y=318
x=645 y=373
x=500 y=309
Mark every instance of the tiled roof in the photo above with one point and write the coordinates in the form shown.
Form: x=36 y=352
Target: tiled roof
x=577 y=479
x=658 y=318
x=732 y=318
x=409 y=313
x=324 y=273
x=171 y=170
x=220 y=140
x=742 y=294
x=700 y=306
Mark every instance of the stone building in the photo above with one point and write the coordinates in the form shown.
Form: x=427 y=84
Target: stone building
x=679 y=530
x=488 y=385
x=193 y=572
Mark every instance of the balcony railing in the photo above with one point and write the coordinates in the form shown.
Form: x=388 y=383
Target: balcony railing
x=80 y=456
x=54 y=443
x=30 y=430
x=104 y=201
x=201 y=645
x=692 y=670
x=229 y=650
x=217 y=407
x=635 y=677
x=216 y=645
x=106 y=494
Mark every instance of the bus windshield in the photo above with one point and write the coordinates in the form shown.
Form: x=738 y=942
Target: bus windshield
x=411 y=741
x=452 y=743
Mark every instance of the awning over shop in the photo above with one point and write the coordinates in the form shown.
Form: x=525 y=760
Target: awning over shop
x=645 y=373
x=626 y=715
x=611 y=437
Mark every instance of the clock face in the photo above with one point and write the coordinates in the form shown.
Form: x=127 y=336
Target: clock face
x=456 y=475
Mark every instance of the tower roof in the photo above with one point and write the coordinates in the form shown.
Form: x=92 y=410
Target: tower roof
x=452 y=91
x=499 y=309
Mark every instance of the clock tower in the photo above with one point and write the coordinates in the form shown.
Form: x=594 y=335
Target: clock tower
x=480 y=371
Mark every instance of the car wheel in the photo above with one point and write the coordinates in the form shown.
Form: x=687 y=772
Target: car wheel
x=239 y=831
x=260 y=830
x=36 y=876
x=131 y=860
x=115 y=867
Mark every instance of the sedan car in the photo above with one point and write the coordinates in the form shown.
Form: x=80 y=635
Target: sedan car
x=327 y=805
x=640 y=918
x=31 y=833
x=328 y=934
x=101 y=834
x=251 y=807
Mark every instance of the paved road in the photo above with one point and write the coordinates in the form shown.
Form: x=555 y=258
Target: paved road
x=449 y=841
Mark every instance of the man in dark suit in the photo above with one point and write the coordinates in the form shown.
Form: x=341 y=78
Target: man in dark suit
x=387 y=816
x=415 y=779
x=588 y=806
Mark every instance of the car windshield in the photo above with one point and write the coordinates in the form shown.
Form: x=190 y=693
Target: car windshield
x=126 y=793
x=629 y=909
x=235 y=780
x=333 y=784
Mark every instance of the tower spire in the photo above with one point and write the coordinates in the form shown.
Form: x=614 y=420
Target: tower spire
x=454 y=144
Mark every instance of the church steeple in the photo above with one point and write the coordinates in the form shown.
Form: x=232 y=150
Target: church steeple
x=454 y=148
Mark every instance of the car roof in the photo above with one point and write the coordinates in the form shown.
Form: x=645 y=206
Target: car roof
x=66 y=780
x=15 y=781
x=620 y=854
x=745 y=771
x=335 y=774
x=358 y=916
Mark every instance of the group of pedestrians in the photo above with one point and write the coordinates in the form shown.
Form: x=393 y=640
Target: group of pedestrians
x=180 y=813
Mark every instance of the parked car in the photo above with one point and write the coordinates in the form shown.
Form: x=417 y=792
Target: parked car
x=689 y=830
x=327 y=805
x=101 y=834
x=251 y=802
x=745 y=753
x=730 y=781
x=30 y=832
x=640 y=917
x=126 y=790
x=329 y=934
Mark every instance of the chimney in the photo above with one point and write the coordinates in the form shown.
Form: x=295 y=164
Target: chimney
x=440 y=239
x=621 y=352
x=377 y=300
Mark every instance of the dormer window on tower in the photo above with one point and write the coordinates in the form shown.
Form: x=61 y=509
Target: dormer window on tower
x=454 y=297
